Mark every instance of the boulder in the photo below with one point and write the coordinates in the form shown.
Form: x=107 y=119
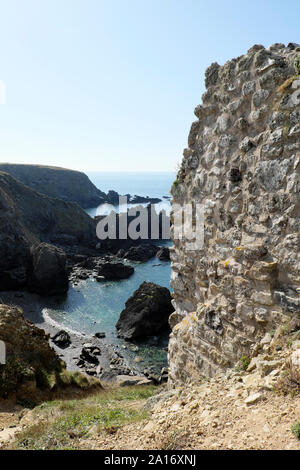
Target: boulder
x=146 y=312
x=100 y=335
x=253 y=398
x=90 y=354
x=141 y=252
x=163 y=254
x=126 y=380
x=114 y=271
x=61 y=339
x=49 y=274
x=295 y=359
x=112 y=197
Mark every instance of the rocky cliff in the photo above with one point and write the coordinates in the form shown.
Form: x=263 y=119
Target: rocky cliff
x=69 y=185
x=31 y=363
x=243 y=164
x=27 y=218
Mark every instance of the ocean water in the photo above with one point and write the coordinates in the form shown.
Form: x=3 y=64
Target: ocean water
x=92 y=307
x=152 y=184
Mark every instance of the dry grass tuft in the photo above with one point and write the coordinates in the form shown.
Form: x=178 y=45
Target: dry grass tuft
x=289 y=382
x=286 y=85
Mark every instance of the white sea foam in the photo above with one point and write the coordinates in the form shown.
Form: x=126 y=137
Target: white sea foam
x=59 y=326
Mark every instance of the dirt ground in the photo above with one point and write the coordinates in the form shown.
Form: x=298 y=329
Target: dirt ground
x=213 y=416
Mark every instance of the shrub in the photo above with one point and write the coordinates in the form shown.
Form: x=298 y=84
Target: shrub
x=243 y=363
x=295 y=428
x=289 y=382
x=13 y=373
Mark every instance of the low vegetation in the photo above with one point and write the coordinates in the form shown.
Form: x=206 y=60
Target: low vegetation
x=289 y=382
x=173 y=441
x=295 y=428
x=61 y=424
x=20 y=370
x=243 y=363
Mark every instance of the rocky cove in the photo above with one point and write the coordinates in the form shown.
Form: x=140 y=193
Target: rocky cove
x=72 y=283
x=233 y=368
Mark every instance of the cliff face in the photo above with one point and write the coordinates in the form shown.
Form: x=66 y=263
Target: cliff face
x=69 y=185
x=28 y=217
x=31 y=364
x=29 y=358
x=243 y=164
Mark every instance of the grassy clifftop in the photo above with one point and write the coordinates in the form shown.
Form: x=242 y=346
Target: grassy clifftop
x=69 y=185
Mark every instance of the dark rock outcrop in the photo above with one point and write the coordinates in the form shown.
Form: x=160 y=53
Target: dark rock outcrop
x=68 y=185
x=100 y=335
x=26 y=219
x=100 y=268
x=62 y=339
x=112 y=197
x=158 y=224
x=90 y=354
x=143 y=200
x=114 y=271
x=141 y=252
x=146 y=312
x=49 y=275
x=163 y=254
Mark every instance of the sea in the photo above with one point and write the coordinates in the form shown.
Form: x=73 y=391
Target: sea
x=152 y=184
x=92 y=307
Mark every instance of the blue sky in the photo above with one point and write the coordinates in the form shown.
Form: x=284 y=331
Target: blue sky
x=112 y=84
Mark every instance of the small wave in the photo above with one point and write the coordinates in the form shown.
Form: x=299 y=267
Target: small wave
x=60 y=326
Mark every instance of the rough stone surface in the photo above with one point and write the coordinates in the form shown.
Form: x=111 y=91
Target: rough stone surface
x=245 y=280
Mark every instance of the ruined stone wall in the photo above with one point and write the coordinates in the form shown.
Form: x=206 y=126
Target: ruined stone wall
x=243 y=164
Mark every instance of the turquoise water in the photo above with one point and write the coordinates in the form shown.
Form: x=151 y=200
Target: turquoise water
x=92 y=307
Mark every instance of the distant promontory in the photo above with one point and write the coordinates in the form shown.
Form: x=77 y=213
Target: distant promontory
x=68 y=185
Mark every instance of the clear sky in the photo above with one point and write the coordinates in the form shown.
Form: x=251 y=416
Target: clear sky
x=112 y=84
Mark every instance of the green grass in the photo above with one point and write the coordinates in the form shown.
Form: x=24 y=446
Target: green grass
x=63 y=423
x=295 y=428
x=77 y=379
x=243 y=363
